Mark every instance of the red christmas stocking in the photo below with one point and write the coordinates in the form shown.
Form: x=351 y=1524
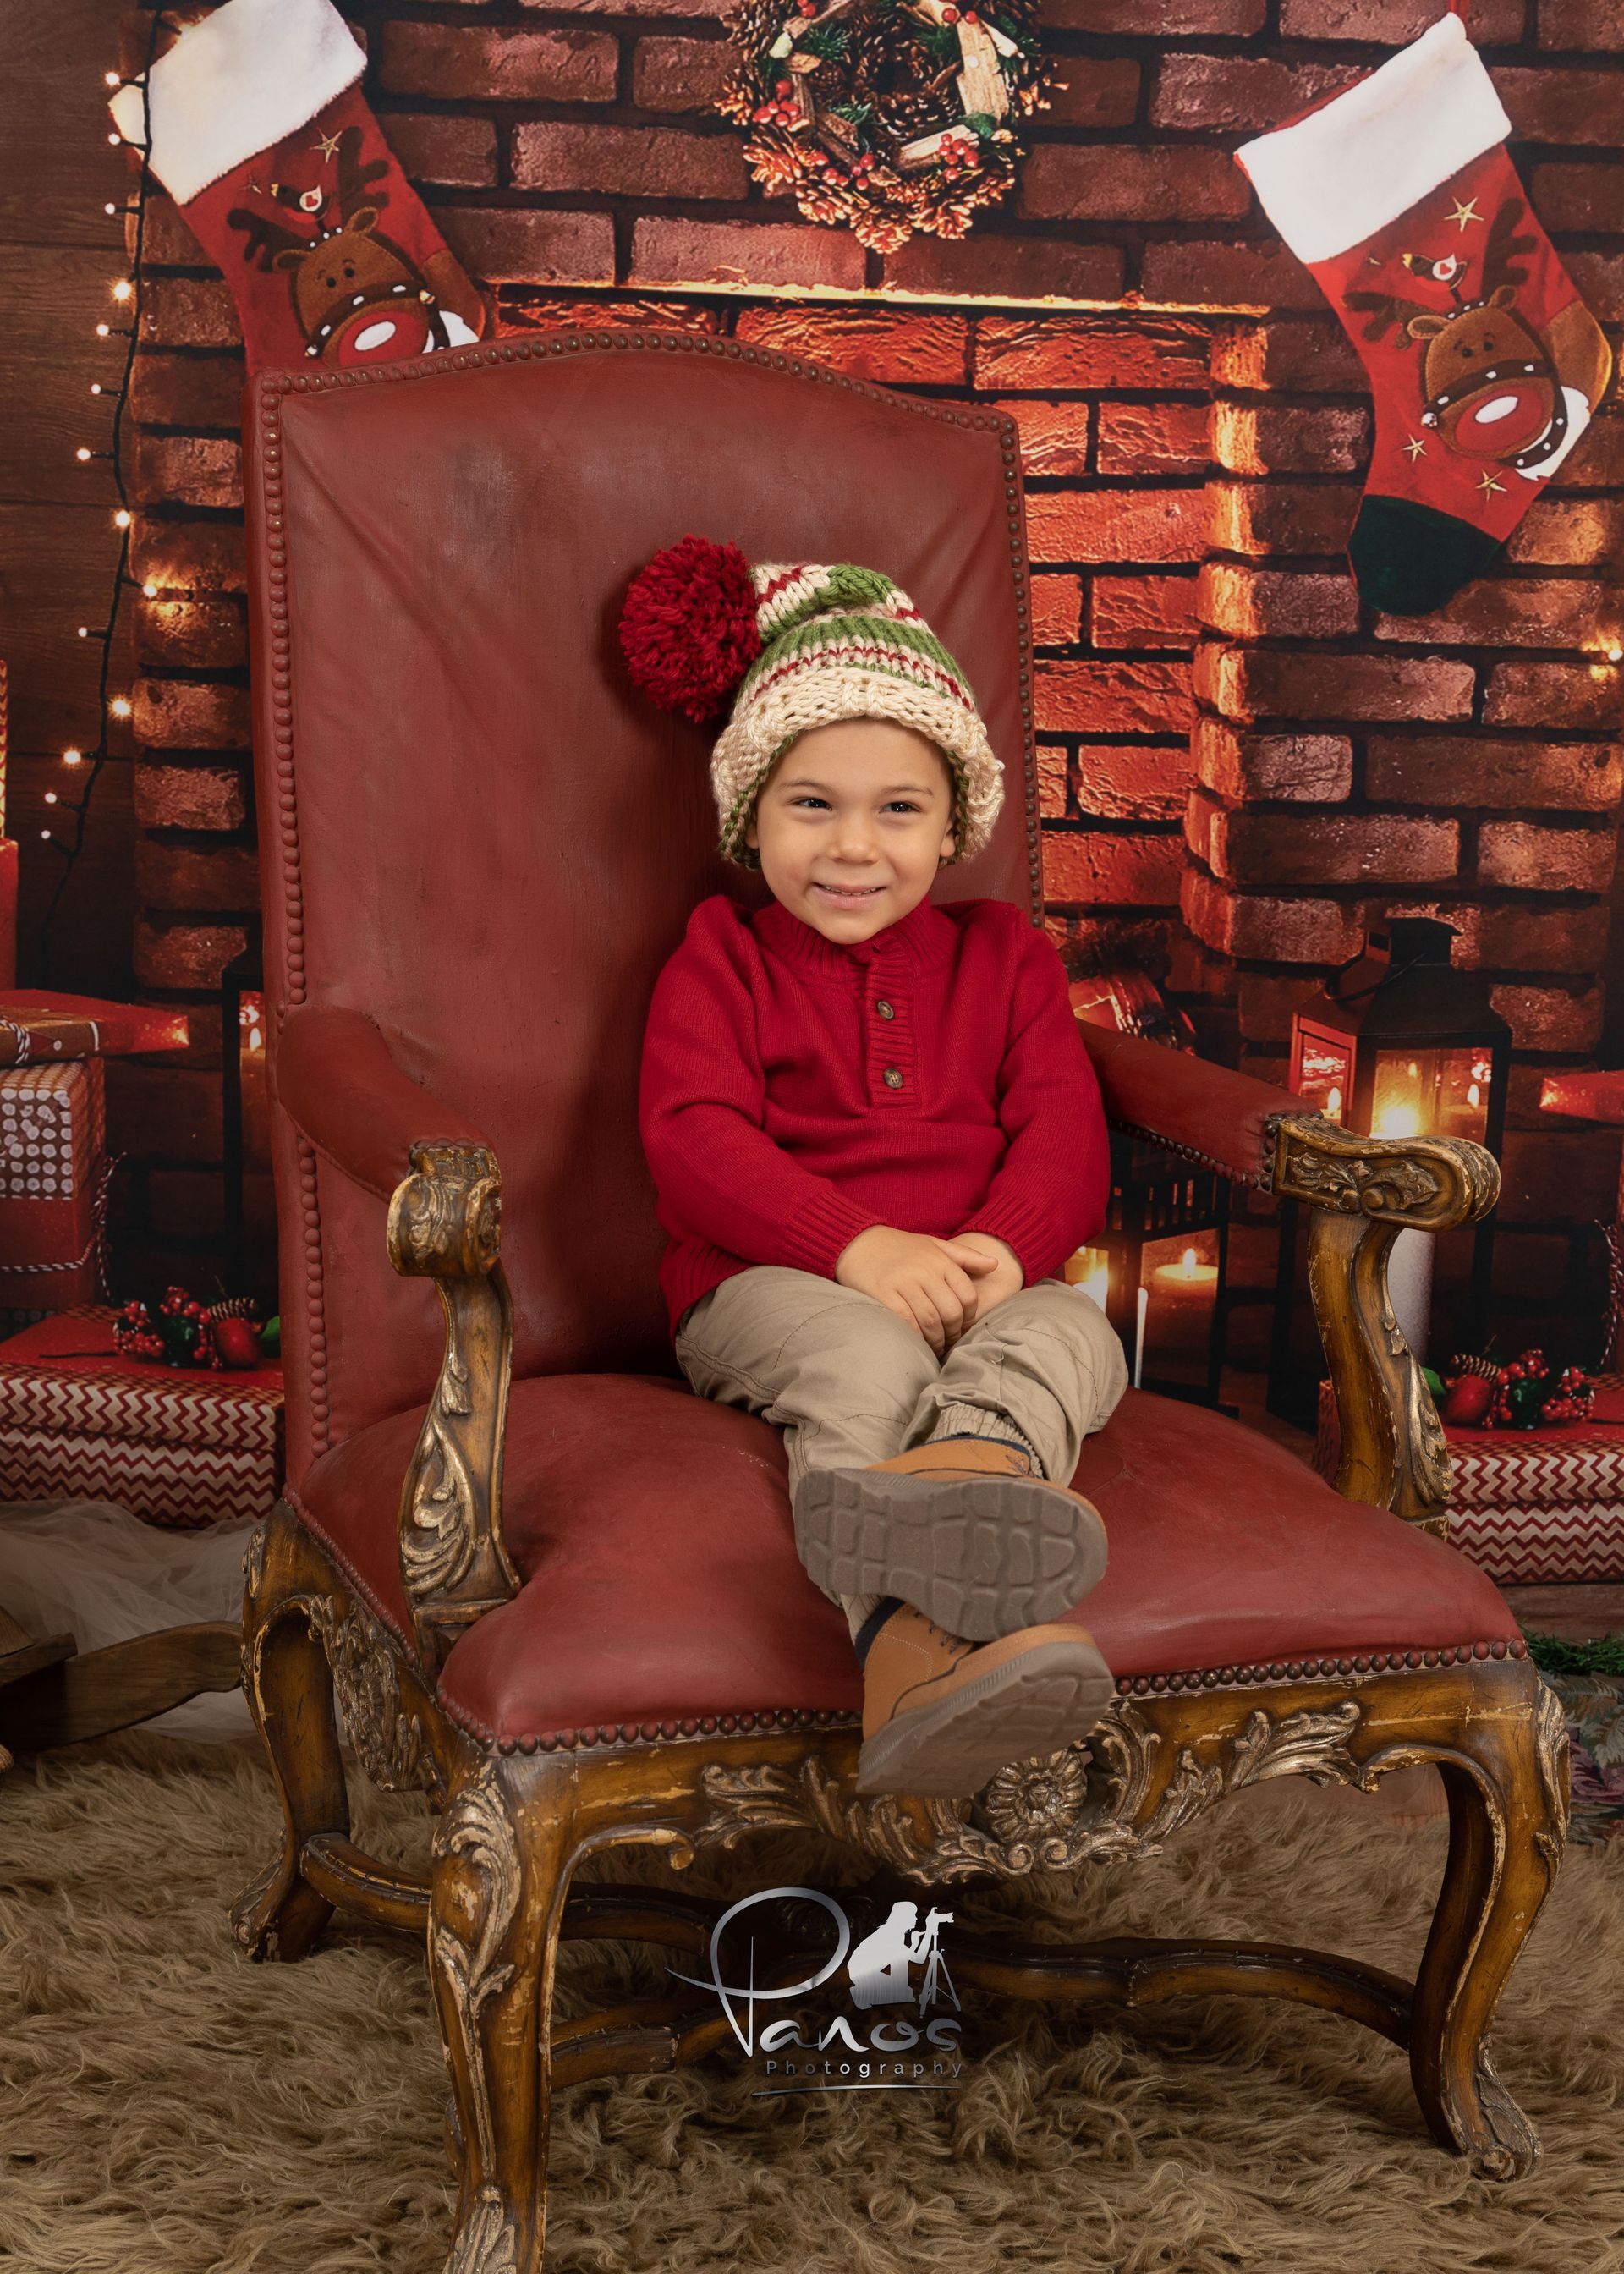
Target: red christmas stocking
x=1485 y=365
x=261 y=133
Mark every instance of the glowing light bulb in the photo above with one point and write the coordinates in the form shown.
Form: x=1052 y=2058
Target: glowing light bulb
x=109 y=208
x=84 y=631
x=73 y=758
x=102 y=330
x=111 y=78
x=115 y=139
x=46 y=834
x=1615 y=655
x=81 y=454
x=121 y=519
x=149 y=591
x=51 y=797
x=123 y=288
x=95 y=387
x=120 y=707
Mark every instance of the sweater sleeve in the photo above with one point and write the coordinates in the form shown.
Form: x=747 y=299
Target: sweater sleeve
x=701 y=1114
x=1048 y=1195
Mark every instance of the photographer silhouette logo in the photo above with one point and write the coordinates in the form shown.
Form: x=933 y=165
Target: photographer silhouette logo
x=916 y=2050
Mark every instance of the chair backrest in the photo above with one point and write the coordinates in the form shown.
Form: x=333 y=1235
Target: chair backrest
x=476 y=832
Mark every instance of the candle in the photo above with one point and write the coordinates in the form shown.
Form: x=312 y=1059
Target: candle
x=1185 y=1279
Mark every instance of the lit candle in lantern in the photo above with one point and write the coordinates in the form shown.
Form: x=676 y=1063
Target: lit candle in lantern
x=1189 y=1276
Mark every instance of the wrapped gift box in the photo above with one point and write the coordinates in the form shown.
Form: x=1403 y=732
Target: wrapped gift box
x=40 y=1024
x=1529 y=1505
x=174 y=1447
x=53 y=1185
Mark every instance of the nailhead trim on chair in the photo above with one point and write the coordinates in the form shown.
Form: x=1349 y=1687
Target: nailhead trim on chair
x=1139 y=1685
x=273 y=386
x=1260 y=1176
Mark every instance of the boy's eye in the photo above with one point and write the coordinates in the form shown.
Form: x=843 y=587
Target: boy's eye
x=906 y=804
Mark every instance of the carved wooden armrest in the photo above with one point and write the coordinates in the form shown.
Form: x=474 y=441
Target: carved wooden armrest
x=335 y=1077
x=1364 y=1191
x=445 y=1224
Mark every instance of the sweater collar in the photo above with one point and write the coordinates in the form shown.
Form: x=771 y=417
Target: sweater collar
x=920 y=941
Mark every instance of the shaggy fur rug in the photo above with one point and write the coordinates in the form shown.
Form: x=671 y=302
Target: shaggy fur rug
x=166 y=2107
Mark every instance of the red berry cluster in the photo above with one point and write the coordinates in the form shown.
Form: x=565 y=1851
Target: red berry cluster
x=957 y=154
x=1528 y=1390
x=136 y=1335
x=1573 y=1399
x=781 y=111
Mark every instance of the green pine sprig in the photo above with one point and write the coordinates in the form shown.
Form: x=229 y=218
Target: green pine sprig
x=1555 y=1654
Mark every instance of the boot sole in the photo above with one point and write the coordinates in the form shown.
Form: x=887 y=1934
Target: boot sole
x=1030 y=1707
x=982 y=1555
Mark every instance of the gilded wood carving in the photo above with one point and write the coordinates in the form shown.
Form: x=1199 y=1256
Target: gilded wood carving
x=1104 y=1796
x=1364 y=1192
x=444 y=1223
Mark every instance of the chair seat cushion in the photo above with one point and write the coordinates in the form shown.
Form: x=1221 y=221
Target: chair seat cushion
x=652 y=1531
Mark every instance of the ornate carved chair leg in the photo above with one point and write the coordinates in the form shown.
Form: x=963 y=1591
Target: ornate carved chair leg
x=289 y=1692
x=1508 y=1801
x=502 y=1854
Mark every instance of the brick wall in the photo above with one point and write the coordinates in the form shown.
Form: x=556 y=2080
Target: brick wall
x=1239 y=764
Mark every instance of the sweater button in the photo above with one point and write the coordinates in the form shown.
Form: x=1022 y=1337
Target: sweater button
x=893 y=1079
x=885 y=1010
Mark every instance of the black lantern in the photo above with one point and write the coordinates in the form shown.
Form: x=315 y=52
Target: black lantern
x=1399 y=1043
x=1402 y=1045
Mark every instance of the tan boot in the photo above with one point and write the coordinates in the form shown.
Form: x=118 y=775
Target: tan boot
x=942 y=1716
x=961 y=1527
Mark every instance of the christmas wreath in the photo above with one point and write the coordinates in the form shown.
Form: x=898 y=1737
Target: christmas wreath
x=892 y=115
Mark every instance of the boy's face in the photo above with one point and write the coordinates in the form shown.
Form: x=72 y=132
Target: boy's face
x=852 y=824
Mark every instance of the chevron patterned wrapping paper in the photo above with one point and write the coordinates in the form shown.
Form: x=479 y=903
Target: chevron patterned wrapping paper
x=171 y=1446
x=1526 y=1505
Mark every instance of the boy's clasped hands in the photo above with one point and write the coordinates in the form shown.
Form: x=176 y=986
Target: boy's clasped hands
x=941 y=1286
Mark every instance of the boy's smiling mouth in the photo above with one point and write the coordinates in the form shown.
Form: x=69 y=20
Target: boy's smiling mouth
x=849 y=893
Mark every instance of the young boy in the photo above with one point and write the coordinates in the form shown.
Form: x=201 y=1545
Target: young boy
x=876 y=1137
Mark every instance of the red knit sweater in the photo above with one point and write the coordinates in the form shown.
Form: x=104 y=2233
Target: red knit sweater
x=796 y=1091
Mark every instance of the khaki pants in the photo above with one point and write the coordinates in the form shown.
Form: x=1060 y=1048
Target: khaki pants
x=850 y=1384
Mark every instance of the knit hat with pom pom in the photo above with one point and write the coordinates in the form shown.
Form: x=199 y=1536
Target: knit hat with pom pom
x=798 y=646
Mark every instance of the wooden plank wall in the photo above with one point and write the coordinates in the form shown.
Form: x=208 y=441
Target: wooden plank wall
x=58 y=549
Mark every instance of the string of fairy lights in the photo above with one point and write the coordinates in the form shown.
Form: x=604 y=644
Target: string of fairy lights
x=66 y=834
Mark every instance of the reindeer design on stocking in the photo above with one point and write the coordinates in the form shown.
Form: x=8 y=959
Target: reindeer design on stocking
x=1495 y=386
x=359 y=297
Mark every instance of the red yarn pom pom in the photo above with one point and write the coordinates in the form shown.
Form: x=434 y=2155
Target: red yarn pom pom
x=687 y=629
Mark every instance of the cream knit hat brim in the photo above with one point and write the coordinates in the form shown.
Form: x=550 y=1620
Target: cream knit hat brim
x=752 y=745
x=844 y=642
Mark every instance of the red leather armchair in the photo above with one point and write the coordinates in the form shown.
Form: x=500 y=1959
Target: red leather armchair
x=554 y=1590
